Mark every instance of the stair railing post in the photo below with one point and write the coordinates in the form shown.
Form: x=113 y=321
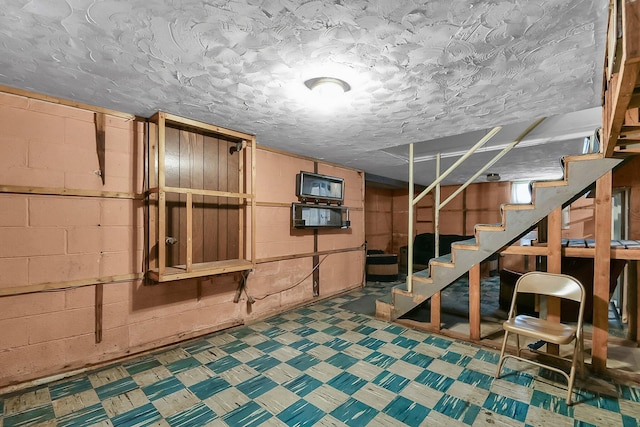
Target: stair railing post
x=437 y=210
x=410 y=236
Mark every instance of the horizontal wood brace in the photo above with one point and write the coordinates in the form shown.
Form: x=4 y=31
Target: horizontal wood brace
x=71 y=284
x=52 y=191
x=307 y=255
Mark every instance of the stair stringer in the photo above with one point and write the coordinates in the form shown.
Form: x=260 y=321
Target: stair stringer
x=580 y=173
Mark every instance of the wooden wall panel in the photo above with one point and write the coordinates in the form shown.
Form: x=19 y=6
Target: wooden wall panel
x=196 y=143
x=172 y=178
x=199 y=162
x=378 y=218
x=210 y=214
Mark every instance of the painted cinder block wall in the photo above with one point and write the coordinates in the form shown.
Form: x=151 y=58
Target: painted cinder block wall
x=46 y=239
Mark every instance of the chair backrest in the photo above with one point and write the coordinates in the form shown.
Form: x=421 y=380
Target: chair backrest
x=556 y=285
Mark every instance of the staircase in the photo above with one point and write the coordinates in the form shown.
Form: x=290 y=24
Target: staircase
x=579 y=173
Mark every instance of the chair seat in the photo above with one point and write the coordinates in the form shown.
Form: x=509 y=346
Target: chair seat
x=554 y=332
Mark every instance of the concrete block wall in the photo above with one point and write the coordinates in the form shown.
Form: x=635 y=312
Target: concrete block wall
x=58 y=239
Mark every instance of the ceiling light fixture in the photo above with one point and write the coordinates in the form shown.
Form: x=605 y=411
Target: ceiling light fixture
x=329 y=86
x=493 y=177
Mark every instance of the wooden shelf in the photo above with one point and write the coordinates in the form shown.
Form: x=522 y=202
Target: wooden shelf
x=179 y=272
x=178 y=209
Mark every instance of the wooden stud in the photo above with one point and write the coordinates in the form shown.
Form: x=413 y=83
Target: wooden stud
x=70 y=284
x=554 y=265
x=253 y=199
x=189 y=232
x=101 y=125
x=99 y=296
x=162 y=211
x=474 y=303
x=436 y=314
x=52 y=191
x=602 y=264
x=242 y=205
x=633 y=301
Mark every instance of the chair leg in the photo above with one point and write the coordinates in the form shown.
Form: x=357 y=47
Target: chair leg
x=518 y=344
x=581 y=356
x=572 y=373
x=501 y=360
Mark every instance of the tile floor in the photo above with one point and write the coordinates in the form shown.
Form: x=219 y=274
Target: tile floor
x=320 y=365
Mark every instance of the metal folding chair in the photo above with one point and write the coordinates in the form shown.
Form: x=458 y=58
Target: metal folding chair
x=553 y=285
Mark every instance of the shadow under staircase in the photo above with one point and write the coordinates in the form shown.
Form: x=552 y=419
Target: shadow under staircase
x=579 y=173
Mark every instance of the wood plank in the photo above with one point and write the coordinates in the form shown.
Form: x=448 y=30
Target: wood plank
x=101 y=126
x=172 y=200
x=70 y=284
x=242 y=210
x=99 y=297
x=214 y=193
x=554 y=265
x=210 y=226
x=185 y=171
x=197 y=181
x=66 y=102
x=179 y=272
x=223 y=215
x=308 y=254
x=436 y=311
x=633 y=301
x=162 y=211
x=201 y=126
x=474 y=302
x=619 y=95
x=630 y=30
x=233 y=210
x=602 y=263
x=189 y=261
x=53 y=191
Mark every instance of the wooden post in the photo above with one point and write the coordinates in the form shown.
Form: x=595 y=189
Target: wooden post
x=435 y=311
x=474 y=302
x=633 y=301
x=554 y=265
x=162 y=207
x=99 y=292
x=602 y=264
x=101 y=126
x=189 y=231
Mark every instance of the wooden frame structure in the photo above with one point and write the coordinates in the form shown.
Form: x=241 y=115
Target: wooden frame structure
x=158 y=191
x=621 y=112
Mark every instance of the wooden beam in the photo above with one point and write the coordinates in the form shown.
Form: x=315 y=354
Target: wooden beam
x=630 y=31
x=56 y=191
x=617 y=99
x=71 y=284
x=162 y=201
x=65 y=102
x=101 y=142
x=206 y=127
x=200 y=192
x=189 y=232
x=602 y=262
x=633 y=301
x=554 y=265
x=436 y=313
x=474 y=302
x=99 y=296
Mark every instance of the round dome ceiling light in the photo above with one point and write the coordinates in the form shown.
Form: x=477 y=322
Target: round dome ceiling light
x=492 y=177
x=327 y=86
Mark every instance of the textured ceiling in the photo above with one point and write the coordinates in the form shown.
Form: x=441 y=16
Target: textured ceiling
x=419 y=70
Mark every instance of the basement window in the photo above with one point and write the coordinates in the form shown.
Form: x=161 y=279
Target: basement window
x=521 y=192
